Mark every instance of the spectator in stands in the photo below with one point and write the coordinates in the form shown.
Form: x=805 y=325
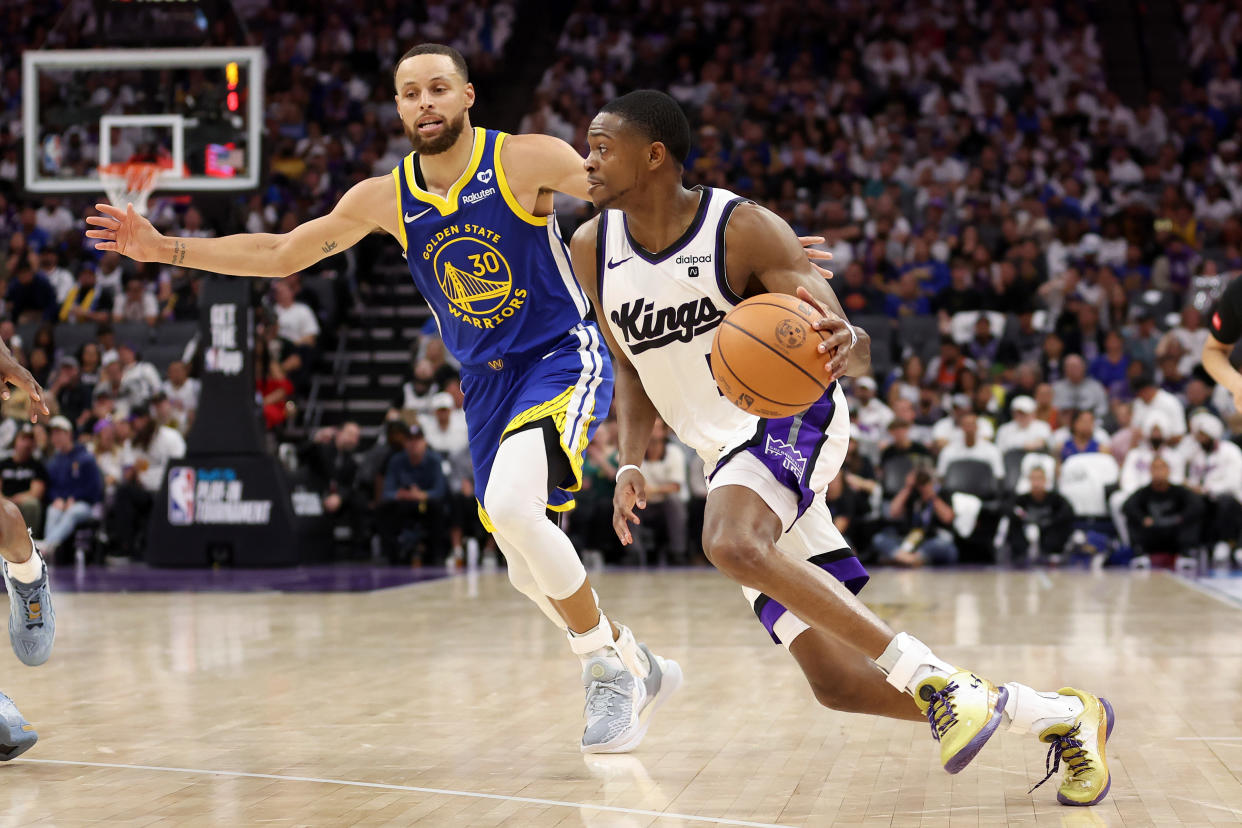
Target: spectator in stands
x=139 y=378
x=869 y=416
x=1214 y=472
x=1163 y=517
x=1082 y=436
x=74 y=487
x=1040 y=521
x=922 y=530
x=908 y=382
x=445 y=426
x=30 y=297
x=970 y=446
x=147 y=455
x=415 y=497
x=1077 y=391
x=1152 y=401
x=89 y=364
x=664 y=467
x=73 y=398
x=81 y=302
x=58 y=277
x=374 y=462
x=109 y=456
x=848 y=508
x=415 y=396
x=943 y=370
x=136 y=303
x=274 y=388
x=24 y=479
x=182 y=392
x=1051 y=358
x=331 y=459
x=1112 y=367
x=298 y=330
x=984 y=347
x=1023 y=432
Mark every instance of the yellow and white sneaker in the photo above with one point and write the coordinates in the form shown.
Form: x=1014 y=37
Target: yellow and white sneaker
x=1081 y=746
x=963 y=711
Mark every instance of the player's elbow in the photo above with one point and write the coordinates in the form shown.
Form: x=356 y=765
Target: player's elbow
x=278 y=257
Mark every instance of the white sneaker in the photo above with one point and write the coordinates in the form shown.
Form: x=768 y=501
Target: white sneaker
x=614 y=698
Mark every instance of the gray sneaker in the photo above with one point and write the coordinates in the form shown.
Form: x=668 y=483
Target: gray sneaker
x=32 y=620
x=16 y=734
x=613 y=698
x=663 y=680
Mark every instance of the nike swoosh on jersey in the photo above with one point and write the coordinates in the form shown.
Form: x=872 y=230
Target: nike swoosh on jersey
x=416 y=216
x=612 y=264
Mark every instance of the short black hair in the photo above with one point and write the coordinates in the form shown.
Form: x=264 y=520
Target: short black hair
x=437 y=49
x=658 y=116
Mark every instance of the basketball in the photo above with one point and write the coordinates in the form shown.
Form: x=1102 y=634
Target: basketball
x=765 y=358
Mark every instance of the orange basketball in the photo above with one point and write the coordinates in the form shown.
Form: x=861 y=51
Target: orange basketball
x=764 y=356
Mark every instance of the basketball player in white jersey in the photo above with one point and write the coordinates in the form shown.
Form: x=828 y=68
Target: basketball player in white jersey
x=663 y=265
x=32 y=621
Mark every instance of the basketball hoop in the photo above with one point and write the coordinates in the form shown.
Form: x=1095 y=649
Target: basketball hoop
x=131 y=181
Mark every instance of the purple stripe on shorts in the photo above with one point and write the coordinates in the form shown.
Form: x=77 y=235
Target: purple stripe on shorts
x=849 y=571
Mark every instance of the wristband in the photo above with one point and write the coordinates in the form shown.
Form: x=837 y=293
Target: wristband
x=628 y=466
x=853 y=335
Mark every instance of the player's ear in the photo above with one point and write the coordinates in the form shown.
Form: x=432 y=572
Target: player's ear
x=469 y=95
x=656 y=154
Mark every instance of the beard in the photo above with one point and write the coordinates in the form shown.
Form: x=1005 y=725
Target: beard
x=441 y=143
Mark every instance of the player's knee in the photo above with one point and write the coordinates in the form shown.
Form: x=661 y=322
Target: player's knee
x=833 y=694
x=740 y=556
x=513 y=512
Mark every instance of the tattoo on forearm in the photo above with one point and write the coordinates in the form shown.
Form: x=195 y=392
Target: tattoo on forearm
x=178 y=254
x=329 y=247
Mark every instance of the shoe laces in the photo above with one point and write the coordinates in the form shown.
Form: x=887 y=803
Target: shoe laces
x=1066 y=747
x=32 y=605
x=601 y=695
x=941 y=712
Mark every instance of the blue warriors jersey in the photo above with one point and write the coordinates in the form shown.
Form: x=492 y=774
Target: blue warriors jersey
x=497 y=278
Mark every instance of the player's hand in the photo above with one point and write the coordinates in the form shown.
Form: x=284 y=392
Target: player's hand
x=839 y=343
x=125 y=231
x=12 y=373
x=816 y=255
x=631 y=491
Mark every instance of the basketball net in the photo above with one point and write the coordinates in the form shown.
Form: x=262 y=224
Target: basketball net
x=131 y=182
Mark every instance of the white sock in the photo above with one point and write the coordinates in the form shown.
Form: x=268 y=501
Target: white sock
x=907 y=661
x=634 y=658
x=1030 y=711
x=596 y=642
x=28 y=572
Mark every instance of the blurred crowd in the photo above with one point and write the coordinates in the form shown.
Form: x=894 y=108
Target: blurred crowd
x=1032 y=257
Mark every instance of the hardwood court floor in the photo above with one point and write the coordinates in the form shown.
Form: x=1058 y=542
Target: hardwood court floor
x=454 y=703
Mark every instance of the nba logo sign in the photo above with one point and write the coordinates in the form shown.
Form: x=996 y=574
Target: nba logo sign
x=181 y=496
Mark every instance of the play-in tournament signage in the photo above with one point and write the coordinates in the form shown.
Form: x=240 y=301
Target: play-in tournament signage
x=227 y=502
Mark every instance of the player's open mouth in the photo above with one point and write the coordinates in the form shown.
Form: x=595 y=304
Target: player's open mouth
x=430 y=125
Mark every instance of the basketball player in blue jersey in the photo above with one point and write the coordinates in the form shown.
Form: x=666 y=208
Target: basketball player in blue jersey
x=32 y=621
x=472 y=209
x=766 y=524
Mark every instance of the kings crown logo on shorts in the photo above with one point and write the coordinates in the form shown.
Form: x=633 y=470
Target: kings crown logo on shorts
x=791 y=458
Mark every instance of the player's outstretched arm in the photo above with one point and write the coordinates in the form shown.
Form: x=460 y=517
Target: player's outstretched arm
x=539 y=163
x=636 y=415
x=367 y=206
x=762 y=254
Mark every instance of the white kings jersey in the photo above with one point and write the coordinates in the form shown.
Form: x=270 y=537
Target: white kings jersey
x=664 y=310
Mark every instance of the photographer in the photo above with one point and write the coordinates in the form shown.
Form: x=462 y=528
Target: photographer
x=923 y=525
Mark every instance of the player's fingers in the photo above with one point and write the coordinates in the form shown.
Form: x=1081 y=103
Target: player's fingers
x=101 y=234
x=834 y=342
x=837 y=365
x=823 y=271
x=102 y=221
x=109 y=210
x=106 y=245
